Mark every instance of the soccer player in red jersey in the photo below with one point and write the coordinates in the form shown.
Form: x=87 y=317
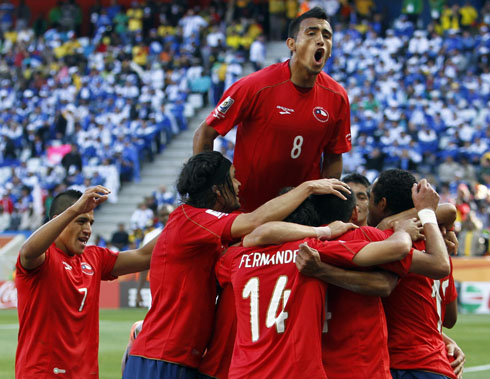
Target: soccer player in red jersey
x=289 y=115
x=58 y=284
x=413 y=310
x=281 y=312
x=182 y=282
x=356 y=322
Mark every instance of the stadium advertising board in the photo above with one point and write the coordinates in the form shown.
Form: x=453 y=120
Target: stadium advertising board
x=8 y=294
x=474 y=297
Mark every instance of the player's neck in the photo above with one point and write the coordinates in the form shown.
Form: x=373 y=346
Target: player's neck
x=300 y=76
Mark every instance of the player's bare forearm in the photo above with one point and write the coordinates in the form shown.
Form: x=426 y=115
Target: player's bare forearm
x=136 y=260
x=394 y=248
x=276 y=232
x=451 y=315
x=372 y=283
x=332 y=165
x=204 y=138
x=280 y=207
x=445 y=213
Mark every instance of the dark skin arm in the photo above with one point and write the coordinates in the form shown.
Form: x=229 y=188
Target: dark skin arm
x=204 y=138
x=332 y=165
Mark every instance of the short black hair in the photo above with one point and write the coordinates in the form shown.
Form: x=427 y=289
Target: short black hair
x=315 y=12
x=332 y=208
x=356 y=178
x=305 y=214
x=396 y=186
x=199 y=176
x=63 y=201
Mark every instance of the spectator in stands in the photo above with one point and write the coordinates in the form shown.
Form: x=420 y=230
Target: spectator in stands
x=4 y=219
x=72 y=158
x=120 y=238
x=141 y=217
x=257 y=53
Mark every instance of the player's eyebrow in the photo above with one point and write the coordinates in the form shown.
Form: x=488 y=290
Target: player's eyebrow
x=315 y=28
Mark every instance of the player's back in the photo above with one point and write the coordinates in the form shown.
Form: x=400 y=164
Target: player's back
x=413 y=317
x=280 y=315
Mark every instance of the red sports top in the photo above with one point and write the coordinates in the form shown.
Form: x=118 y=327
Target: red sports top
x=217 y=359
x=357 y=324
x=413 y=313
x=282 y=130
x=58 y=306
x=183 y=286
x=280 y=313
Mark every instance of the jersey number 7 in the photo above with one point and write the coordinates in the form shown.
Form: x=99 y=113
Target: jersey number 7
x=251 y=290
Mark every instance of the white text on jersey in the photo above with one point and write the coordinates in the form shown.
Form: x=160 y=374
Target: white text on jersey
x=262 y=259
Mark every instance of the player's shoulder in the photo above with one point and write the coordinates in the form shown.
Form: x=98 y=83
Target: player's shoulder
x=367 y=233
x=326 y=81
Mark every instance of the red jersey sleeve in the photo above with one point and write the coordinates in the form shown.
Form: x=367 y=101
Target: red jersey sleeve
x=341 y=141
x=231 y=108
x=223 y=267
x=339 y=253
x=21 y=270
x=108 y=259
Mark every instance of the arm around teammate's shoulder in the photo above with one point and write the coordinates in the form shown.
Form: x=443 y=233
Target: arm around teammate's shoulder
x=280 y=207
x=136 y=260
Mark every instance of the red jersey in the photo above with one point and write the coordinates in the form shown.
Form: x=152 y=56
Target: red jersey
x=357 y=324
x=282 y=130
x=216 y=361
x=280 y=313
x=413 y=313
x=183 y=286
x=58 y=306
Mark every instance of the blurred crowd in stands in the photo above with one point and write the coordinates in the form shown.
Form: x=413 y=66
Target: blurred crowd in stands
x=88 y=99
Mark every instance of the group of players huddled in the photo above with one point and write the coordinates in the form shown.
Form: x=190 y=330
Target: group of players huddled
x=329 y=279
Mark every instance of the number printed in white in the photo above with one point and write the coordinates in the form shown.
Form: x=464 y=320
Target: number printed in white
x=437 y=294
x=251 y=290
x=296 y=150
x=278 y=294
x=84 y=291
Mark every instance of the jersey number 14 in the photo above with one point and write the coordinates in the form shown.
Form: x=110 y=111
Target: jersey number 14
x=251 y=290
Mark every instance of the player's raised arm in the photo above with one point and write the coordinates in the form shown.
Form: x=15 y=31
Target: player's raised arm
x=435 y=262
x=32 y=252
x=204 y=138
x=281 y=206
x=332 y=165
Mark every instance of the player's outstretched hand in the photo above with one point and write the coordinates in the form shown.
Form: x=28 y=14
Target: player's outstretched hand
x=338 y=228
x=412 y=226
x=308 y=260
x=453 y=350
x=330 y=186
x=91 y=198
x=424 y=196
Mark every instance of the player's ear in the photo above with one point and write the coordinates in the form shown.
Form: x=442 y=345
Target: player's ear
x=382 y=204
x=291 y=44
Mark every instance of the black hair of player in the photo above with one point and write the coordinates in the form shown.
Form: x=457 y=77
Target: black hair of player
x=356 y=178
x=201 y=176
x=332 y=208
x=305 y=213
x=315 y=12
x=63 y=201
x=396 y=186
